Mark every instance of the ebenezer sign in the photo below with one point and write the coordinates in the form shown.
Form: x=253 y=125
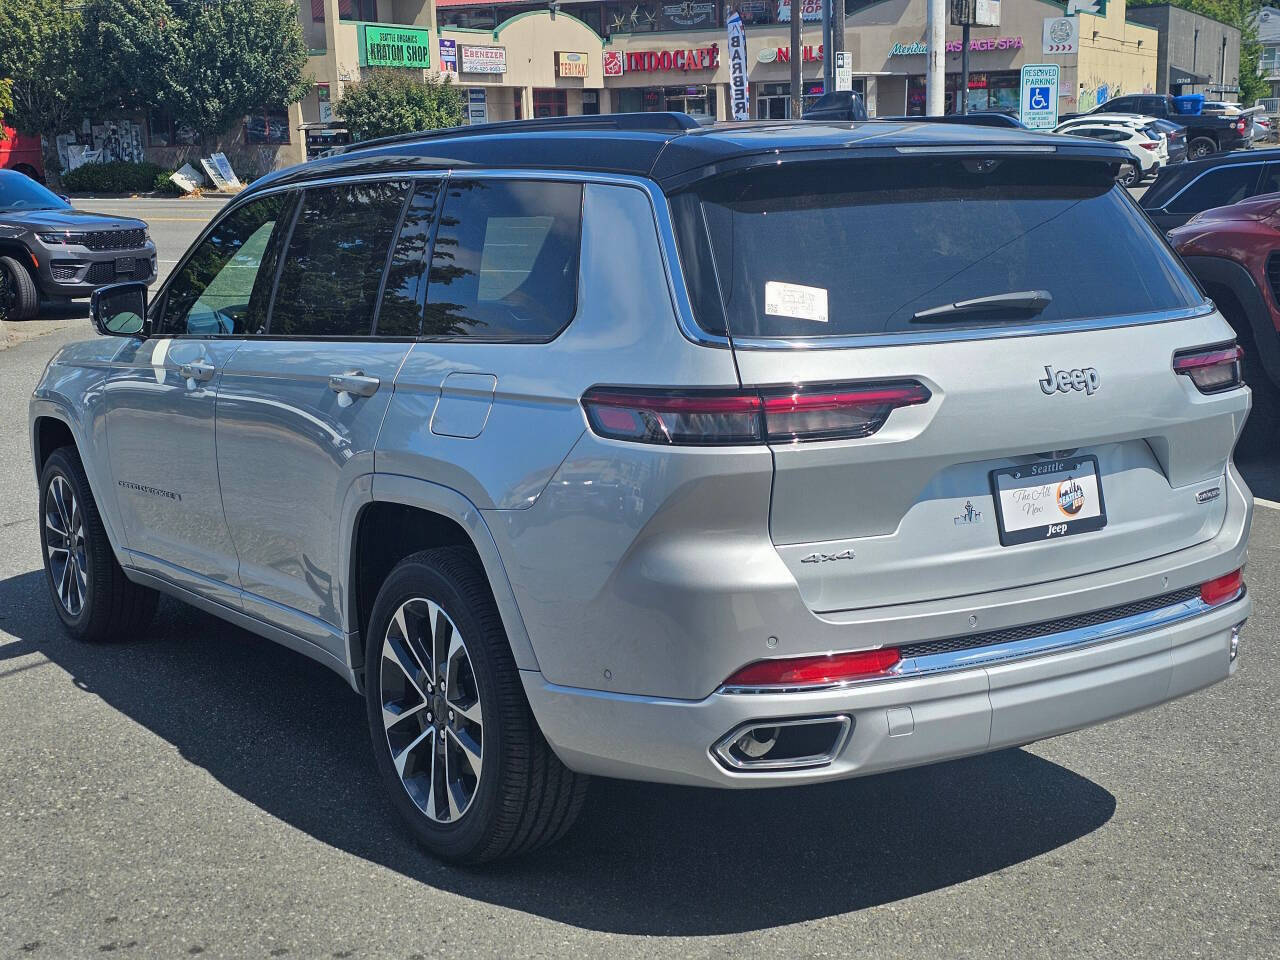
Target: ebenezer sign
x=482 y=59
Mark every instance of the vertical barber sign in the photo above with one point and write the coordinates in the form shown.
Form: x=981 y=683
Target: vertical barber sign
x=739 y=101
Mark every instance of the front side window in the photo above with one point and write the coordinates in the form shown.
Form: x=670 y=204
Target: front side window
x=334 y=262
x=505 y=261
x=224 y=286
x=812 y=249
x=1228 y=184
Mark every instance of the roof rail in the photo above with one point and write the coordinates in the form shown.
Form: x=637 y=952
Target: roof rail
x=669 y=122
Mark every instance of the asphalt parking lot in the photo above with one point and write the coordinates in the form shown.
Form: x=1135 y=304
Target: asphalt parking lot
x=201 y=792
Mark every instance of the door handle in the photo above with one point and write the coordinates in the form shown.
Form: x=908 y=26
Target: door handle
x=353 y=384
x=197 y=372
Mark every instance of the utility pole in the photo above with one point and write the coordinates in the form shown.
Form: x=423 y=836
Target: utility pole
x=827 y=58
x=936 y=78
x=797 y=58
x=963 y=106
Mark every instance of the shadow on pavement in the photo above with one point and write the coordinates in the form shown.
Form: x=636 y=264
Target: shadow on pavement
x=289 y=736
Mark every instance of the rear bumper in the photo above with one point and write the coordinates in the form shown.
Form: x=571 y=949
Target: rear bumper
x=932 y=717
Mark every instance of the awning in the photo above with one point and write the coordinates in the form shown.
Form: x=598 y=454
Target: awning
x=1179 y=77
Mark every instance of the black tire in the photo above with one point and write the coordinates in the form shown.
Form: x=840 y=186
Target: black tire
x=523 y=797
x=111 y=606
x=19 y=298
x=1201 y=147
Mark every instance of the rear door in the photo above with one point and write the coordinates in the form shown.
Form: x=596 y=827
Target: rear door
x=843 y=275
x=301 y=404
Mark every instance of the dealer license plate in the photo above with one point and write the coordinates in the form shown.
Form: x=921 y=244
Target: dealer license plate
x=1048 y=499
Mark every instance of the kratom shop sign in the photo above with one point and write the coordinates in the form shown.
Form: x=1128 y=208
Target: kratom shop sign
x=382 y=46
x=920 y=48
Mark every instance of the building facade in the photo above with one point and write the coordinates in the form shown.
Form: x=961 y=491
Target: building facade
x=1197 y=53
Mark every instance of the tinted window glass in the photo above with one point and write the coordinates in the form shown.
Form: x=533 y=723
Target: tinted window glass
x=1270 y=179
x=505 y=261
x=1217 y=188
x=859 y=247
x=1152 y=105
x=223 y=287
x=400 y=314
x=20 y=192
x=334 y=263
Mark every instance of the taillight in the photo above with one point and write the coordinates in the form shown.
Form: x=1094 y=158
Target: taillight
x=1211 y=370
x=773 y=415
x=1222 y=589
x=816 y=670
x=1241 y=124
x=1152 y=146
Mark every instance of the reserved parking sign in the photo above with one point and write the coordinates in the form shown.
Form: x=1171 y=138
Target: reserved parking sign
x=1039 y=105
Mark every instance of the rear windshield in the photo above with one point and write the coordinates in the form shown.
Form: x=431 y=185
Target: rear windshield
x=861 y=247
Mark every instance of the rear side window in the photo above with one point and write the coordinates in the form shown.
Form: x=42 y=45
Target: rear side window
x=1217 y=188
x=505 y=261
x=334 y=262
x=400 y=314
x=1270 y=179
x=862 y=247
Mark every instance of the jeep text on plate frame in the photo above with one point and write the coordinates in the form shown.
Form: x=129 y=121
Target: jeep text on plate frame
x=1048 y=499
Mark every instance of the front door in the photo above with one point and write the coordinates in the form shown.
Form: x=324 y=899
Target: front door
x=160 y=404
x=299 y=409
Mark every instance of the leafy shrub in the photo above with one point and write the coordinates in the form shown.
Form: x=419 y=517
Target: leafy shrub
x=390 y=101
x=164 y=185
x=115 y=177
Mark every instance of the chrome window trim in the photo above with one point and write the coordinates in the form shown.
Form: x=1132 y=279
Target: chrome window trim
x=1015 y=650
x=1204 y=173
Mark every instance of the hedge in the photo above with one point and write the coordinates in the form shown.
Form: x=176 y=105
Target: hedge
x=115 y=177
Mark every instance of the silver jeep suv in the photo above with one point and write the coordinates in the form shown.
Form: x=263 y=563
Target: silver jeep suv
x=748 y=455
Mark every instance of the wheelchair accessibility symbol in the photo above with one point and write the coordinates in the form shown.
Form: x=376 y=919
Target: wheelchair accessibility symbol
x=1039 y=98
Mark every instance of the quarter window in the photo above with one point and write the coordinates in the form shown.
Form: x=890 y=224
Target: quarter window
x=505 y=261
x=335 y=259
x=224 y=286
x=1217 y=188
x=400 y=314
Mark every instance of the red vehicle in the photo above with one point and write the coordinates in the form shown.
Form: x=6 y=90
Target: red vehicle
x=1235 y=254
x=21 y=153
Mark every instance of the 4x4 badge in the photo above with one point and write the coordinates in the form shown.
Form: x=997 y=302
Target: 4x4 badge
x=1082 y=378
x=825 y=557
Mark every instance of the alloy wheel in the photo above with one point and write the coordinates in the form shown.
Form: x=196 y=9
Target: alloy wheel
x=64 y=540
x=431 y=710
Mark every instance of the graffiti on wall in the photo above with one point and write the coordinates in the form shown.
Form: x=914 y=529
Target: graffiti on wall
x=102 y=143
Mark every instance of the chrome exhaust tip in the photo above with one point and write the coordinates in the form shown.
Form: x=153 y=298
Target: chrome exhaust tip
x=772 y=745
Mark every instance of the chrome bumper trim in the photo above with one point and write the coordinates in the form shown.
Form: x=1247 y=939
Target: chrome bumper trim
x=1045 y=645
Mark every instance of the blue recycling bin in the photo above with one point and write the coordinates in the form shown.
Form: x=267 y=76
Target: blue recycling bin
x=1191 y=104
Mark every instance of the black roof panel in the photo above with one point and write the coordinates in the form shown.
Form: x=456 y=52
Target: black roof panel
x=669 y=148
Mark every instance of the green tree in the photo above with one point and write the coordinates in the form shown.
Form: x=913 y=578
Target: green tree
x=6 y=105
x=134 y=51
x=239 y=56
x=396 y=101
x=40 y=54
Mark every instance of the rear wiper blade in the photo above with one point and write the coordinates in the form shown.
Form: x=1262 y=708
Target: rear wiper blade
x=1020 y=303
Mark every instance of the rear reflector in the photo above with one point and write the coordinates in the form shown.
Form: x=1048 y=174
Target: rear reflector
x=1212 y=369
x=815 y=671
x=719 y=418
x=1222 y=589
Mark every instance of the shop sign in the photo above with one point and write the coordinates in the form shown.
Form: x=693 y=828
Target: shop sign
x=810 y=10
x=809 y=54
x=1061 y=35
x=688 y=13
x=654 y=61
x=448 y=56
x=1097 y=7
x=975 y=13
x=394 y=47
x=571 y=64
x=477 y=107
x=483 y=59
x=1039 y=102
x=614 y=63
x=739 y=100
x=323 y=101
x=844 y=70
x=920 y=48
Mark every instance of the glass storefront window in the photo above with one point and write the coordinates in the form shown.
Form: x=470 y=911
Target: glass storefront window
x=987 y=91
x=472 y=18
x=773 y=100
x=358 y=10
x=550 y=103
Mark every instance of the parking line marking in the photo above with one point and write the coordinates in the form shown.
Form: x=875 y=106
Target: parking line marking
x=1271 y=504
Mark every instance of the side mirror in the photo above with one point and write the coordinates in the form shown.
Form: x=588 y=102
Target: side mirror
x=120 y=310
x=64 y=198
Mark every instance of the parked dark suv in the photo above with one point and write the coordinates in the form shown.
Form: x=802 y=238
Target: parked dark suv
x=1180 y=192
x=51 y=251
